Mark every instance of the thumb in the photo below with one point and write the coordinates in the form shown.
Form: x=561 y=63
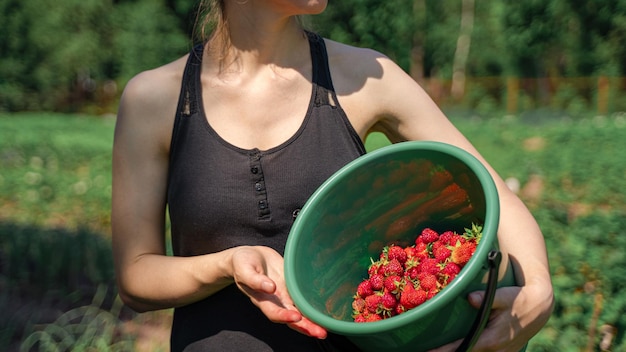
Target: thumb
x=253 y=278
x=476 y=298
x=503 y=298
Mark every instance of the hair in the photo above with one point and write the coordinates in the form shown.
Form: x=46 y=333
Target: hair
x=210 y=20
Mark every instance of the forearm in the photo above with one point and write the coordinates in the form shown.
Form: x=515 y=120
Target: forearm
x=522 y=240
x=155 y=281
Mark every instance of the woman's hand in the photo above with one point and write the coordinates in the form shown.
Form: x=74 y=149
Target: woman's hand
x=258 y=272
x=517 y=314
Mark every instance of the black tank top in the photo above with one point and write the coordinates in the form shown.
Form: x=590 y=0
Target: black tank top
x=221 y=196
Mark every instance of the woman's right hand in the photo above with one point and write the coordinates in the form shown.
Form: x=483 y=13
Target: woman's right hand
x=258 y=272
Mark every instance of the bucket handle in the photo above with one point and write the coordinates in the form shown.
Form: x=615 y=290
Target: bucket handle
x=494 y=258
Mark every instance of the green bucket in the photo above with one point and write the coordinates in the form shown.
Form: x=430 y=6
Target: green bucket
x=381 y=198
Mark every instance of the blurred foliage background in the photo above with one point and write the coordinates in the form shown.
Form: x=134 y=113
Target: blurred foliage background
x=537 y=86
x=76 y=55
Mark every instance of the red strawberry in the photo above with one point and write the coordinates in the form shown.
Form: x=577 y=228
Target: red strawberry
x=373 y=302
x=429 y=265
x=388 y=301
x=421 y=250
x=428 y=235
x=447 y=279
x=393 y=267
x=431 y=294
x=358 y=305
x=373 y=268
x=451 y=269
x=462 y=253
x=393 y=283
x=441 y=252
x=457 y=239
x=373 y=317
x=411 y=252
x=428 y=282
x=364 y=289
x=360 y=318
x=396 y=252
x=412 y=297
x=446 y=237
x=412 y=273
x=376 y=282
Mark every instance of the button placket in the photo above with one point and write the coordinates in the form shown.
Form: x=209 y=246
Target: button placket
x=258 y=185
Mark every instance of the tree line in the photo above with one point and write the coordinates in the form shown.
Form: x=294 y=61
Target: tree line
x=75 y=55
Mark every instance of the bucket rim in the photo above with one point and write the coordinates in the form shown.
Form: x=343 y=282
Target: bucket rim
x=471 y=270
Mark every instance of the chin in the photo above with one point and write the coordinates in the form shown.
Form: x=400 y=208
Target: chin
x=316 y=7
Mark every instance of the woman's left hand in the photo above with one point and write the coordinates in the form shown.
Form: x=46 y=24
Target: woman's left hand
x=259 y=274
x=517 y=314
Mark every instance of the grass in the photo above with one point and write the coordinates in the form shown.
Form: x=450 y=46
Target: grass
x=56 y=278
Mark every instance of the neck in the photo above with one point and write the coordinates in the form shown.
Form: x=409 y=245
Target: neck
x=253 y=38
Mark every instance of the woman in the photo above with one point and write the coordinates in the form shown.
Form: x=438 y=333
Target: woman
x=233 y=138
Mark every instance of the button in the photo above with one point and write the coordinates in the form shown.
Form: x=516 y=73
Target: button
x=258 y=187
x=262 y=205
x=254 y=170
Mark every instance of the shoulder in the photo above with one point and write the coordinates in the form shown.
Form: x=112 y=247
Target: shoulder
x=370 y=86
x=365 y=71
x=354 y=62
x=156 y=87
x=149 y=100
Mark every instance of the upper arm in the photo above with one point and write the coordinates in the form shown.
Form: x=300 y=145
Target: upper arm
x=140 y=164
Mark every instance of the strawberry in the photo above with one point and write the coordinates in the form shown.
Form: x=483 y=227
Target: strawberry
x=364 y=289
x=421 y=250
x=411 y=253
x=393 y=283
x=373 y=303
x=431 y=294
x=358 y=305
x=388 y=302
x=412 y=273
x=396 y=252
x=400 y=308
x=429 y=265
x=360 y=318
x=393 y=267
x=441 y=252
x=376 y=282
x=373 y=317
x=428 y=282
x=411 y=297
x=446 y=237
x=462 y=253
x=373 y=268
x=451 y=269
x=428 y=235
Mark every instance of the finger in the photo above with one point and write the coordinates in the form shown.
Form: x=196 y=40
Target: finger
x=256 y=281
x=503 y=298
x=307 y=327
x=476 y=298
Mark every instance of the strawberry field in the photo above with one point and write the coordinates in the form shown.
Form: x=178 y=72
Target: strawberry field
x=56 y=268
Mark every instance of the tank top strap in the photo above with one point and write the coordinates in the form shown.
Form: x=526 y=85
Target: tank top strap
x=321 y=70
x=188 y=102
